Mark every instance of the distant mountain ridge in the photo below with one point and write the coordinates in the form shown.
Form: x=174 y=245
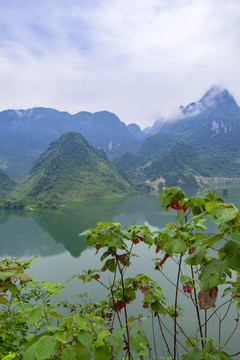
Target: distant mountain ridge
x=25 y=134
x=212 y=127
x=207 y=131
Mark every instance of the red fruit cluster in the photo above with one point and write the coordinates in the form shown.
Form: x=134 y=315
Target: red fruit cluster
x=175 y=205
x=187 y=289
x=120 y=304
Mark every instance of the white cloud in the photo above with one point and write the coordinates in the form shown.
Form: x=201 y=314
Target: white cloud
x=140 y=59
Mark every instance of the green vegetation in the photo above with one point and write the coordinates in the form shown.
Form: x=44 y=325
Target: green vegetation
x=6 y=184
x=71 y=170
x=34 y=328
x=177 y=165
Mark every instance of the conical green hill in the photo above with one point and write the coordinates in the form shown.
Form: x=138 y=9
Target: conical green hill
x=73 y=170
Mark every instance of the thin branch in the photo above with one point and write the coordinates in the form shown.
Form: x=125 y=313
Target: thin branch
x=164 y=338
x=154 y=339
x=197 y=308
x=215 y=311
x=171 y=282
x=173 y=336
x=175 y=319
x=235 y=354
x=236 y=326
x=125 y=310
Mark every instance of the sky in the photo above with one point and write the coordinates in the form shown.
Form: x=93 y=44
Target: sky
x=140 y=59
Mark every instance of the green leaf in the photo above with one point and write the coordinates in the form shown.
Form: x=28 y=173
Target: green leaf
x=44 y=347
x=220 y=214
x=102 y=352
x=175 y=246
x=212 y=240
x=84 y=233
x=111 y=265
x=117 y=339
x=197 y=200
x=61 y=337
x=3 y=300
x=194 y=354
x=196 y=257
x=85 y=338
x=148 y=239
x=156 y=306
x=184 y=278
x=235 y=237
x=225 y=356
x=92 y=239
x=180 y=216
x=68 y=353
x=24 y=278
x=213 y=273
x=196 y=210
x=13 y=289
x=116 y=242
x=101 y=336
x=137 y=339
x=80 y=320
x=4 y=275
x=83 y=355
x=35 y=315
x=30 y=353
x=232 y=251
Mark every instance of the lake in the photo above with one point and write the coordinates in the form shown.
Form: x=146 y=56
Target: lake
x=53 y=235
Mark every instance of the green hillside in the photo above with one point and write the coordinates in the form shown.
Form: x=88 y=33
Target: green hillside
x=6 y=184
x=177 y=165
x=72 y=170
x=212 y=127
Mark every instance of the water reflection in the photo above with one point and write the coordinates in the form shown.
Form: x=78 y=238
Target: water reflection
x=48 y=232
x=64 y=225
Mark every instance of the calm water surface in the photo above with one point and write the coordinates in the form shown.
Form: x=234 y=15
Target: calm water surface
x=53 y=235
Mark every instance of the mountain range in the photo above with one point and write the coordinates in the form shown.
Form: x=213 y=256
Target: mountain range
x=203 y=141
x=26 y=134
x=209 y=127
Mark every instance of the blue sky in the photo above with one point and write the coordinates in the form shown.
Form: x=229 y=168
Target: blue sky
x=140 y=59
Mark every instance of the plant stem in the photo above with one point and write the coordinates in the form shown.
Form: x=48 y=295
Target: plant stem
x=197 y=309
x=175 y=318
x=125 y=309
x=154 y=339
x=164 y=338
x=215 y=312
x=173 y=336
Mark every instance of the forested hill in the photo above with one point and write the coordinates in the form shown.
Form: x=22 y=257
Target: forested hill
x=72 y=170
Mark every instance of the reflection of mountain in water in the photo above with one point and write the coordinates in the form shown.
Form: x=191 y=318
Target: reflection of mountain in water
x=20 y=236
x=50 y=232
x=24 y=234
x=65 y=224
